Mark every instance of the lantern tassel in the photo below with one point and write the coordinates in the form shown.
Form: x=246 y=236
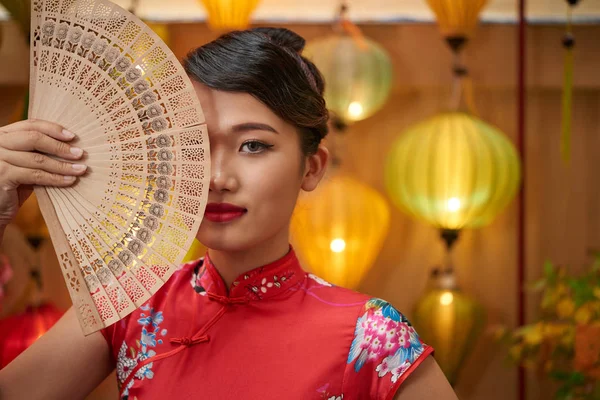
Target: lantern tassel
x=567 y=95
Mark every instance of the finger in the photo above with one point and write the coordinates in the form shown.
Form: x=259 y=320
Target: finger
x=46 y=127
x=17 y=176
x=34 y=140
x=40 y=161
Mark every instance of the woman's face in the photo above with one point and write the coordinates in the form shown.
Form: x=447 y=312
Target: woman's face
x=257 y=171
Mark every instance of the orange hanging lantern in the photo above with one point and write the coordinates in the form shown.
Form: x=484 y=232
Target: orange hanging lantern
x=19 y=332
x=229 y=14
x=339 y=229
x=457 y=18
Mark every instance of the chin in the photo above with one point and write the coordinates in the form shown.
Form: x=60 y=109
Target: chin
x=224 y=240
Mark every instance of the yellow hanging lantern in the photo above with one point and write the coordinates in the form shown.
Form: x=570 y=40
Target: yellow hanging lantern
x=457 y=18
x=449 y=321
x=229 y=14
x=339 y=229
x=453 y=171
x=196 y=251
x=357 y=72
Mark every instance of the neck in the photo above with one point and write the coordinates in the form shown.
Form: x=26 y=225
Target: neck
x=232 y=264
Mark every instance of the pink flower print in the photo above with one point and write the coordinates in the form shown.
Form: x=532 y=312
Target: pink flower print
x=403 y=329
x=384 y=368
x=376 y=347
x=403 y=341
x=389 y=364
x=367 y=341
x=392 y=330
x=382 y=330
x=377 y=322
x=400 y=370
x=390 y=346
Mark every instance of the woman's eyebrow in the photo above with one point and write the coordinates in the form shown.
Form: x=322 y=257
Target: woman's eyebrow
x=252 y=126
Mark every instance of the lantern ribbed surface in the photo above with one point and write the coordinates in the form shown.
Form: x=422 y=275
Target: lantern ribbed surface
x=457 y=18
x=453 y=170
x=357 y=72
x=338 y=230
x=229 y=14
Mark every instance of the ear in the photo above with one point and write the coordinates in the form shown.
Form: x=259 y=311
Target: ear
x=314 y=169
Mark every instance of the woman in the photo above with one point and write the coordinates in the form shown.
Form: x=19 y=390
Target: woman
x=246 y=322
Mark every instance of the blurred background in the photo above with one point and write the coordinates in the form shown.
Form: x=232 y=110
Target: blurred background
x=466 y=141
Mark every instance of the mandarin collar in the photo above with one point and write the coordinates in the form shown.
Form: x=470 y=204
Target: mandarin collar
x=258 y=284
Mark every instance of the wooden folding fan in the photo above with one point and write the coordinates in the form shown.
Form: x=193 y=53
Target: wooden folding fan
x=122 y=229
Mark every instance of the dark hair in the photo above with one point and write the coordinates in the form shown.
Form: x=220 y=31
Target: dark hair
x=267 y=63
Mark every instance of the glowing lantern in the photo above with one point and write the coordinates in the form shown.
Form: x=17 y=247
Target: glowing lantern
x=19 y=332
x=357 y=72
x=457 y=18
x=449 y=321
x=229 y=14
x=453 y=171
x=339 y=229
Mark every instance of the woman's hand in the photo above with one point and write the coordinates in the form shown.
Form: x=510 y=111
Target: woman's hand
x=25 y=147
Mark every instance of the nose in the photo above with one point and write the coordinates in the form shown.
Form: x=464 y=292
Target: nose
x=222 y=178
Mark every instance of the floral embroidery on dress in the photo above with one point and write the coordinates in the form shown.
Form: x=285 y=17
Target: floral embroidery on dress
x=384 y=335
x=256 y=290
x=150 y=322
x=320 y=281
x=326 y=395
x=197 y=276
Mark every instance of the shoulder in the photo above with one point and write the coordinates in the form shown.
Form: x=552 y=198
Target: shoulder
x=334 y=294
x=384 y=351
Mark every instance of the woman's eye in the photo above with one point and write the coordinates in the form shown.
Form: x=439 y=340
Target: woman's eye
x=254 y=146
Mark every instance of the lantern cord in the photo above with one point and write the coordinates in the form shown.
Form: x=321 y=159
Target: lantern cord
x=462 y=85
x=349 y=28
x=335 y=141
x=567 y=96
x=521 y=132
x=450 y=237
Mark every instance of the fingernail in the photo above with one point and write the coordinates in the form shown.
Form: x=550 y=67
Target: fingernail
x=76 y=151
x=68 y=178
x=67 y=134
x=78 y=167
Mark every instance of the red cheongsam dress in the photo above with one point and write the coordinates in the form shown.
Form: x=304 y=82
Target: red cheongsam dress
x=277 y=333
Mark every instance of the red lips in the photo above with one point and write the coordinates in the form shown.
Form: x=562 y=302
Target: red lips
x=223 y=212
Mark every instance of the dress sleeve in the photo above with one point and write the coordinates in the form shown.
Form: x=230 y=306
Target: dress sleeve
x=385 y=350
x=115 y=336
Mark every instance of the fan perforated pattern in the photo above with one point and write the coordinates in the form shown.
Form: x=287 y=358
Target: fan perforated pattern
x=124 y=227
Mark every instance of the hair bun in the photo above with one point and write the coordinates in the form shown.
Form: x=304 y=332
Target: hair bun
x=284 y=37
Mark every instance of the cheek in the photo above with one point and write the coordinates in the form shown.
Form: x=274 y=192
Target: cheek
x=275 y=183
